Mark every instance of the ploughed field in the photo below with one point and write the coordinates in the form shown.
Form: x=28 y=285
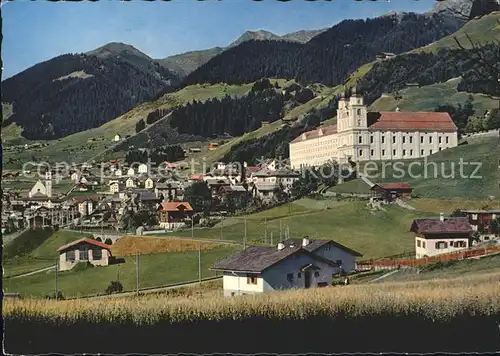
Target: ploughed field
x=449 y=315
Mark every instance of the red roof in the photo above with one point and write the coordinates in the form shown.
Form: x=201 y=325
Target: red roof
x=197 y=177
x=321 y=131
x=412 y=121
x=389 y=186
x=174 y=206
x=252 y=169
x=436 y=226
x=87 y=240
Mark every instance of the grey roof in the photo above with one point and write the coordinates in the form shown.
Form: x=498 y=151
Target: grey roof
x=214 y=181
x=259 y=258
x=265 y=186
x=145 y=194
x=313 y=245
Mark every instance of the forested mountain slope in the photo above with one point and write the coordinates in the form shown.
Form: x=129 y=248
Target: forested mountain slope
x=329 y=57
x=77 y=92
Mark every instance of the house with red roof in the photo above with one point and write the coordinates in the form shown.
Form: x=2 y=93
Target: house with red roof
x=360 y=135
x=83 y=250
x=442 y=235
x=391 y=191
x=174 y=215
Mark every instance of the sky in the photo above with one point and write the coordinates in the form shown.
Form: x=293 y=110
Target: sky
x=36 y=31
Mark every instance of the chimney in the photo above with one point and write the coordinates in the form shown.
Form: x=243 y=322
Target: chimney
x=281 y=246
x=441 y=216
x=305 y=242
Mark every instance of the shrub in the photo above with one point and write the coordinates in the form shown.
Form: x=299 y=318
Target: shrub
x=108 y=241
x=114 y=287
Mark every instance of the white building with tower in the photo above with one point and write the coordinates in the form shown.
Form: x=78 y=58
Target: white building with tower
x=360 y=135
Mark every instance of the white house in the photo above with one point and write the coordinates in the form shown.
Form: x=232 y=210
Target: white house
x=130 y=183
x=117 y=138
x=443 y=235
x=149 y=183
x=83 y=250
x=118 y=172
x=143 y=168
x=131 y=172
x=291 y=264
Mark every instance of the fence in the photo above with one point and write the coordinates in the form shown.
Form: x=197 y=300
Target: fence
x=395 y=263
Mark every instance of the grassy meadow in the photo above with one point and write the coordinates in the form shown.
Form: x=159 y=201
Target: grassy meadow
x=380 y=314
x=351 y=223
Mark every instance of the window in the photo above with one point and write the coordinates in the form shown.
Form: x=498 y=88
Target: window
x=441 y=245
x=84 y=254
x=411 y=152
x=359 y=112
x=339 y=262
x=360 y=152
x=421 y=139
x=440 y=139
x=360 y=139
x=299 y=275
x=418 y=243
x=411 y=139
x=421 y=152
x=430 y=152
x=393 y=152
x=251 y=279
x=383 y=139
x=232 y=294
x=359 y=122
x=423 y=244
x=289 y=277
x=383 y=152
x=404 y=139
x=97 y=254
x=440 y=148
x=459 y=244
x=70 y=256
x=371 y=139
x=404 y=152
x=430 y=139
x=372 y=152
x=316 y=274
x=447 y=139
x=394 y=139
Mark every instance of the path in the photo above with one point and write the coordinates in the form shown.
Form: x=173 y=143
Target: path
x=32 y=272
x=404 y=204
x=384 y=276
x=153 y=290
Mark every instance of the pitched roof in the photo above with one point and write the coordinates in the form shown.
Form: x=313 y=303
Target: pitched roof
x=313 y=245
x=252 y=169
x=87 y=240
x=316 y=133
x=265 y=186
x=259 y=258
x=402 y=185
x=174 y=206
x=410 y=121
x=436 y=226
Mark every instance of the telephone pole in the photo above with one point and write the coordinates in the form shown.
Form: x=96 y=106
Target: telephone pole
x=199 y=262
x=57 y=286
x=137 y=270
x=245 y=236
x=265 y=226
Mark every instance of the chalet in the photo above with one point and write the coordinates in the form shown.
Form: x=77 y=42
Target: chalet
x=263 y=190
x=131 y=183
x=145 y=198
x=86 y=205
x=170 y=190
x=291 y=264
x=131 y=172
x=215 y=184
x=443 y=235
x=484 y=222
x=117 y=138
x=282 y=176
x=233 y=191
x=173 y=215
x=391 y=191
x=83 y=250
x=116 y=187
x=149 y=183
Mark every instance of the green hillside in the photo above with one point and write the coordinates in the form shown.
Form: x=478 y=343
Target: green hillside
x=480 y=153
x=427 y=98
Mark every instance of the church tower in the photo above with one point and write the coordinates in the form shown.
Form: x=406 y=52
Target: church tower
x=48 y=183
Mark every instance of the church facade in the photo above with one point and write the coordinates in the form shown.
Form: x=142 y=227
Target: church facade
x=373 y=136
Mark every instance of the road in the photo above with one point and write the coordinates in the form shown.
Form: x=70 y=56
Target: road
x=153 y=290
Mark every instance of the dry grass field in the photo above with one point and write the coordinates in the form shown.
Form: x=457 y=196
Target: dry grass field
x=130 y=245
x=436 y=299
